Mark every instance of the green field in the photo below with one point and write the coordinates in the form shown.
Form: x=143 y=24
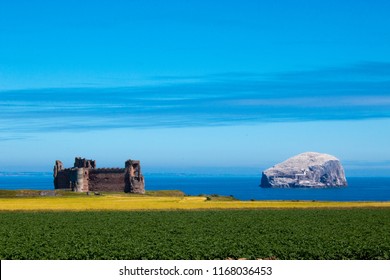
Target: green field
x=204 y=234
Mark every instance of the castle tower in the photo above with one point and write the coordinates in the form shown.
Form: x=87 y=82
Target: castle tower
x=84 y=163
x=58 y=166
x=134 y=180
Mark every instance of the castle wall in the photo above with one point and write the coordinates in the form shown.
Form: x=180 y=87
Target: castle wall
x=62 y=180
x=79 y=179
x=107 y=179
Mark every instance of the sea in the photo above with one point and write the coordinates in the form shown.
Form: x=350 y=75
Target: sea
x=241 y=187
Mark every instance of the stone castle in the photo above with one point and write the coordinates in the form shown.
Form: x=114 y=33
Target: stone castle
x=85 y=177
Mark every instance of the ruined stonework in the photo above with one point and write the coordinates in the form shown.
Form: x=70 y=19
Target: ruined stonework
x=84 y=177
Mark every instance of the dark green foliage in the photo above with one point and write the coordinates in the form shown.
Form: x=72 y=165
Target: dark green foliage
x=281 y=234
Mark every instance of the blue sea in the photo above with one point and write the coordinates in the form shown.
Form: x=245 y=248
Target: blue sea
x=243 y=188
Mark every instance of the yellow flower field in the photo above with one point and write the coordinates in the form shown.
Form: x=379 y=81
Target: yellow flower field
x=122 y=202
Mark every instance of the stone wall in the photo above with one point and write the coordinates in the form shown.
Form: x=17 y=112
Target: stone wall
x=62 y=180
x=107 y=180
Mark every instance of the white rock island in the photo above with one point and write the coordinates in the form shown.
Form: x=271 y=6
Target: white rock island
x=307 y=170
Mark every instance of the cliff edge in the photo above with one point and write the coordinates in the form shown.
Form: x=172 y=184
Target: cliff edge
x=306 y=170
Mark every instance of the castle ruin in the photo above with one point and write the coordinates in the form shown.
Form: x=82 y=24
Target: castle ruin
x=85 y=177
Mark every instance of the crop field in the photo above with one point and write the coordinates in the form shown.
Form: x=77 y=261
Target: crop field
x=172 y=201
x=206 y=234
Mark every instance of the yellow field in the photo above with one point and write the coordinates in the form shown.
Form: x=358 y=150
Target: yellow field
x=115 y=202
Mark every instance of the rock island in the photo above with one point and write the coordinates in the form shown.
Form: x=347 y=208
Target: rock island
x=306 y=170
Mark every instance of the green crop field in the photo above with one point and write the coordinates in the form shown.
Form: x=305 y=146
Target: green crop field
x=206 y=234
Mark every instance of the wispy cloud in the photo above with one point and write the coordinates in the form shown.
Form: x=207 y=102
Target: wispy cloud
x=360 y=71
x=360 y=91
x=11 y=137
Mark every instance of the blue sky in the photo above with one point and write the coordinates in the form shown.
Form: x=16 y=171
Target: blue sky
x=194 y=86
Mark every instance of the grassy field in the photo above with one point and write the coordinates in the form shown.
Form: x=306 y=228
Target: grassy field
x=212 y=234
x=168 y=200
